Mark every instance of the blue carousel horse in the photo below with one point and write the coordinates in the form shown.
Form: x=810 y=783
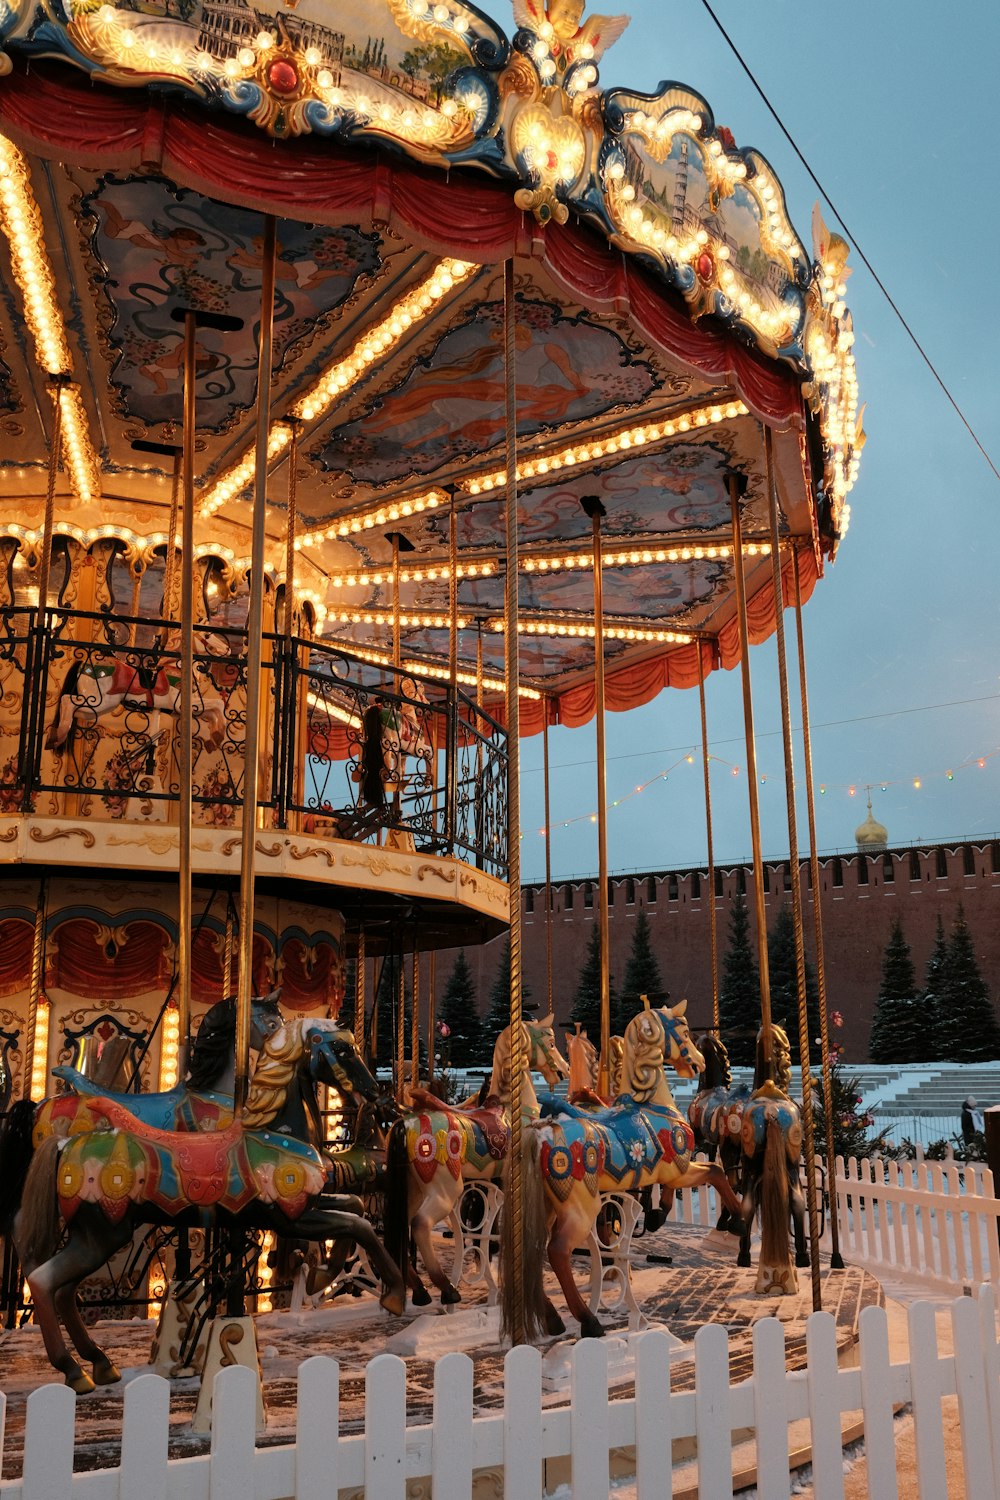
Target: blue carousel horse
x=84 y=1197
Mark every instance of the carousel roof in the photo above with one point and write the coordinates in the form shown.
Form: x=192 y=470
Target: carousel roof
x=666 y=307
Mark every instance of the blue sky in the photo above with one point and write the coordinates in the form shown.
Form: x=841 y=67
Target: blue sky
x=892 y=106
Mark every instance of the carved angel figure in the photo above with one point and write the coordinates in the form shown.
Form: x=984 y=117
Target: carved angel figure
x=558 y=22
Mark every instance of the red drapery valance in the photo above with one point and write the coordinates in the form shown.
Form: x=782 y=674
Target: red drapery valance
x=110 y=963
x=17 y=938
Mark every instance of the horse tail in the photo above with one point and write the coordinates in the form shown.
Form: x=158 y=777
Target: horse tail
x=534 y=1240
x=39 y=1225
x=774 y=1198
x=396 y=1213
x=16 y=1151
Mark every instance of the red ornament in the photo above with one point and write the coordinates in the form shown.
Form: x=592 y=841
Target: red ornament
x=282 y=76
x=705 y=266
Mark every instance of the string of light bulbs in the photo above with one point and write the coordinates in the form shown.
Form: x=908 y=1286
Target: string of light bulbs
x=852 y=788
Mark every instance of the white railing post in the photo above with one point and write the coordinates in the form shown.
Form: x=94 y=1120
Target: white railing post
x=234 y=1433
x=770 y=1397
x=712 y=1418
x=925 y=1395
x=317 y=1429
x=452 y=1440
x=385 y=1428
x=653 y=1443
x=590 y=1435
x=876 y=1398
x=973 y=1405
x=144 y=1473
x=522 y=1424
x=48 y=1443
x=824 y=1406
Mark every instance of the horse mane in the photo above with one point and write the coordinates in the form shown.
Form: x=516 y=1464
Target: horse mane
x=274 y=1072
x=642 y=1056
x=715 y=1052
x=616 y=1062
x=213 y=1045
x=781 y=1059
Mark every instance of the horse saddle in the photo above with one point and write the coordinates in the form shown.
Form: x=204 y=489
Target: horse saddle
x=177 y=1109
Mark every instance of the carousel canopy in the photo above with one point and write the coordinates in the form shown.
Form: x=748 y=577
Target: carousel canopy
x=665 y=309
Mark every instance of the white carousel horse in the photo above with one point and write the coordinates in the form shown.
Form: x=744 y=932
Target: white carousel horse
x=96 y=687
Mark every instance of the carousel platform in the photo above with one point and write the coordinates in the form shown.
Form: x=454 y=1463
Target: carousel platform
x=702 y=1285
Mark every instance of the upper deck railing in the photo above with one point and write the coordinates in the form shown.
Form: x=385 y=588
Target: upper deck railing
x=88 y=728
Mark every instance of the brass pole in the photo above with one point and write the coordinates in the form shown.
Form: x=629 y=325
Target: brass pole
x=548 y=858
x=360 y=980
x=400 y=1025
x=737 y=486
x=35 y=990
x=291 y=520
x=255 y=627
x=287 y=677
x=227 y=951
x=415 y=1018
x=515 y=1189
x=796 y=874
x=595 y=510
x=185 y=702
x=431 y=1017
x=38 y=666
x=836 y=1258
x=395 y=605
x=713 y=916
x=170 y=559
x=451 y=772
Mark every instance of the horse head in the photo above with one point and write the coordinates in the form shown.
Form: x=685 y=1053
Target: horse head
x=652 y=1039
x=335 y=1060
x=583 y=1060
x=718 y=1073
x=543 y=1053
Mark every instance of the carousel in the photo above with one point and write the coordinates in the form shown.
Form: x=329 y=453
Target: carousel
x=375 y=389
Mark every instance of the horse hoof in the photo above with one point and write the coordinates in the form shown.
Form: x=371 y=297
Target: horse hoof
x=554 y=1324
x=734 y=1227
x=106 y=1372
x=802 y=1260
x=80 y=1382
x=420 y=1296
x=655 y=1219
x=393 y=1302
x=591 y=1328
x=450 y=1295
x=743 y=1259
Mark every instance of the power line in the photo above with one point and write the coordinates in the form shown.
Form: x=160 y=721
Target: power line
x=737 y=739
x=853 y=238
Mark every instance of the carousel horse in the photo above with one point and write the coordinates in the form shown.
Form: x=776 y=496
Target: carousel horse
x=204 y=1102
x=715 y=1114
x=264 y=1172
x=640 y=1140
x=96 y=687
x=435 y=1151
x=771 y=1139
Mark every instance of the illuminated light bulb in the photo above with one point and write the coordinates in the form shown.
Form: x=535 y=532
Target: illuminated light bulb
x=264 y=41
x=246 y=57
x=231 y=67
x=127 y=38
x=324 y=78
x=917 y=783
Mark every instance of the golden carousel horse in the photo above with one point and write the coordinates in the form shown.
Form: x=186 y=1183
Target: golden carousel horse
x=640 y=1140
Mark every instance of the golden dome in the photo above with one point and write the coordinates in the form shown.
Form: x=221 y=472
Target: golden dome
x=871 y=834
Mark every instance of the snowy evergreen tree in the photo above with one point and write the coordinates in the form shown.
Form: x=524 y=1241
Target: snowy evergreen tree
x=898 y=1035
x=497 y=1017
x=933 y=1020
x=739 y=991
x=851 y=1123
x=642 y=974
x=459 y=1012
x=587 y=1004
x=971 y=1027
x=783 y=974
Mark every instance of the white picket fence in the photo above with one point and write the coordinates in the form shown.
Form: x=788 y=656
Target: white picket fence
x=935 y=1223
x=520 y=1439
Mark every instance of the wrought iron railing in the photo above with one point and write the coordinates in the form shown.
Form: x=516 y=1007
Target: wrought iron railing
x=88 y=706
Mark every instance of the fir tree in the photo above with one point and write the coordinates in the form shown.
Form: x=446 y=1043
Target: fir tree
x=459 y=1012
x=933 y=1017
x=642 y=974
x=386 y=1000
x=739 y=991
x=783 y=975
x=497 y=1017
x=898 y=1035
x=587 y=1004
x=971 y=1027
